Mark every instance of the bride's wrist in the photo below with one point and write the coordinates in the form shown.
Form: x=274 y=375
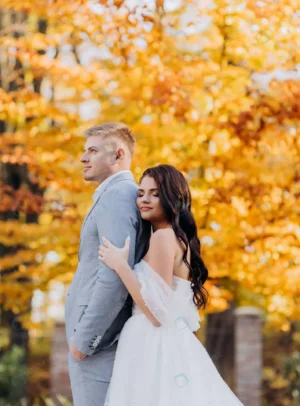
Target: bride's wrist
x=121 y=267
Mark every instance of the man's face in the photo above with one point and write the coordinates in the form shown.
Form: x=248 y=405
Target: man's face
x=98 y=158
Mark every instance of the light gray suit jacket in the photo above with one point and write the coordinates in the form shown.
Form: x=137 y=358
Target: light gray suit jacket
x=98 y=303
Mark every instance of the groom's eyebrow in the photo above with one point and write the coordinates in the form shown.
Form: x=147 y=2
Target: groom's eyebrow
x=95 y=146
x=142 y=190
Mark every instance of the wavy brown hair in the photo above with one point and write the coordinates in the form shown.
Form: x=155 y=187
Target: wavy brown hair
x=175 y=198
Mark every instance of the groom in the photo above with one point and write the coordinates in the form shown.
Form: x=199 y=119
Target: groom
x=98 y=303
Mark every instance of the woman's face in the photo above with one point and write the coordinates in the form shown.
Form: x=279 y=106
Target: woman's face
x=148 y=200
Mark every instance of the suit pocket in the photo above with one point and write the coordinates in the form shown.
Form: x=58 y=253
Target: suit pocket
x=81 y=311
x=82 y=303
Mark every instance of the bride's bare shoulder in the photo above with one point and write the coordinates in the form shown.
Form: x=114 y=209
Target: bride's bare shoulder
x=163 y=238
x=164 y=233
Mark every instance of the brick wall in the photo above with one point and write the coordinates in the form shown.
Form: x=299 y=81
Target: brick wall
x=248 y=355
x=59 y=374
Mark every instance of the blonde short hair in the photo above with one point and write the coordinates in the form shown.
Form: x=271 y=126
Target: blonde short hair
x=118 y=130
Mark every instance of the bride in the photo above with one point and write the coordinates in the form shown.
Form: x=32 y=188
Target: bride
x=159 y=361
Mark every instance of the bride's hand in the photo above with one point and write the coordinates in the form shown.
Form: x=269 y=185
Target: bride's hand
x=113 y=256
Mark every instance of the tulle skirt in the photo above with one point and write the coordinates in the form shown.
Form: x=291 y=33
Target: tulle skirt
x=164 y=366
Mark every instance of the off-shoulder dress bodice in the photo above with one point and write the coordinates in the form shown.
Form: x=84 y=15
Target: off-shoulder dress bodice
x=169 y=305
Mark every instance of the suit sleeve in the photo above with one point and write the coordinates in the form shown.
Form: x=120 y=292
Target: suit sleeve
x=119 y=220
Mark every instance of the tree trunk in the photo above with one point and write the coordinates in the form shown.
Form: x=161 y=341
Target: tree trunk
x=15 y=175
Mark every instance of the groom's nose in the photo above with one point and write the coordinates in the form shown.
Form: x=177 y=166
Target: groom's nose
x=84 y=158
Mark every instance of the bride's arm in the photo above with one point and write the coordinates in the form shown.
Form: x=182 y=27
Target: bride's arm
x=133 y=285
x=161 y=255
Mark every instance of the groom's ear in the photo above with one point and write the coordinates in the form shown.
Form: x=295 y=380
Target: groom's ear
x=120 y=154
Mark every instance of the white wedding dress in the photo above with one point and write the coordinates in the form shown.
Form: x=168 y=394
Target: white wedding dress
x=166 y=365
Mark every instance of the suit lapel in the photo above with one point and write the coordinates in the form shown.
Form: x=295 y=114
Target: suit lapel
x=91 y=209
x=117 y=178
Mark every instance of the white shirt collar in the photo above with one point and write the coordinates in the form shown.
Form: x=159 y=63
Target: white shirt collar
x=105 y=183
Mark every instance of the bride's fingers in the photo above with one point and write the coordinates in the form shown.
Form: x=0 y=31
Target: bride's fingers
x=106 y=242
x=101 y=250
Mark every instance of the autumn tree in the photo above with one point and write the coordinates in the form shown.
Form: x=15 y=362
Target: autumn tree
x=186 y=79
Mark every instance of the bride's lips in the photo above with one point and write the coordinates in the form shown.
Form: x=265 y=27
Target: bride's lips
x=146 y=208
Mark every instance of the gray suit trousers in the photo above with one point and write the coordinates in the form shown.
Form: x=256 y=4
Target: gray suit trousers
x=90 y=377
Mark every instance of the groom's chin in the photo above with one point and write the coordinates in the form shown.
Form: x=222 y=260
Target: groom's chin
x=87 y=177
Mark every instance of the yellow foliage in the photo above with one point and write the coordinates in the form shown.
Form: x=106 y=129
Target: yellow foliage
x=187 y=81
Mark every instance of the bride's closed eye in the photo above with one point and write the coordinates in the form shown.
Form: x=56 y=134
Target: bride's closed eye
x=152 y=195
